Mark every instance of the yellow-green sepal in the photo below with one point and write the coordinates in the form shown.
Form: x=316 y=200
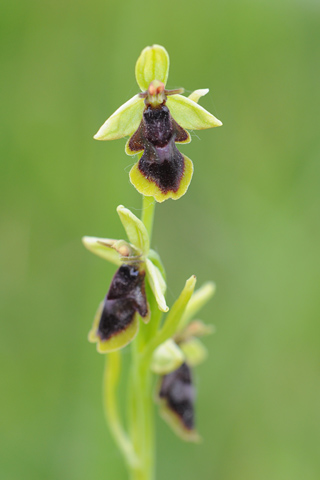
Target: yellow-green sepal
x=194 y=351
x=189 y=114
x=197 y=301
x=149 y=188
x=135 y=229
x=166 y=358
x=197 y=94
x=156 y=260
x=103 y=247
x=157 y=284
x=152 y=64
x=123 y=122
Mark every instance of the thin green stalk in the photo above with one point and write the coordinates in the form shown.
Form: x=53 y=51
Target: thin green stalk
x=110 y=383
x=140 y=405
x=141 y=417
x=148 y=205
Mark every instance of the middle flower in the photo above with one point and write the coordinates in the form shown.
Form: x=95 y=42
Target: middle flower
x=116 y=322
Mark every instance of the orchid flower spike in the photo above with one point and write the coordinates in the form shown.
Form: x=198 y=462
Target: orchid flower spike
x=156 y=120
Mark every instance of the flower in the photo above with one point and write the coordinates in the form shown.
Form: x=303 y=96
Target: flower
x=116 y=322
x=155 y=120
x=174 y=360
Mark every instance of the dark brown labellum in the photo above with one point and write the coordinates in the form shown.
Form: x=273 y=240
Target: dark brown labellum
x=125 y=297
x=178 y=391
x=157 y=135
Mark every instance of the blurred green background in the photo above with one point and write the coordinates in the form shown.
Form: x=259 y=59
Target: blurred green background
x=250 y=221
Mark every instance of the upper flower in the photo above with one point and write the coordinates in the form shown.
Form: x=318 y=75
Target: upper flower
x=156 y=120
x=116 y=322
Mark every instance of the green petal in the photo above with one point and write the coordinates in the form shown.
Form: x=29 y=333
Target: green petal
x=197 y=94
x=189 y=114
x=156 y=260
x=153 y=64
x=195 y=352
x=166 y=358
x=123 y=122
x=103 y=247
x=157 y=284
x=197 y=301
x=135 y=229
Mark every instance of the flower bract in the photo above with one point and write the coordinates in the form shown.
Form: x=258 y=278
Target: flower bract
x=156 y=120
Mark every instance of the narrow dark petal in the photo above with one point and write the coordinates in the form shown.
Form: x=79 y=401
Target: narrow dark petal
x=181 y=135
x=136 y=142
x=125 y=297
x=179 y=393
x=163 y=165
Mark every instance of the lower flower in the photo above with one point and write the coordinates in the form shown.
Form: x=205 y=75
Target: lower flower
x=176 y=397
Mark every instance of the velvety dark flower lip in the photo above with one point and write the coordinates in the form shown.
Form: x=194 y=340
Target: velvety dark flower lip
x=125 y=297
x=157 y=135
x=117 y=322
x=177 y=396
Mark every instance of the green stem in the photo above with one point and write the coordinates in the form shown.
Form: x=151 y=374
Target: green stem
x=148 y=204
x=110 y=383
x=141 y=416
x=140 y=405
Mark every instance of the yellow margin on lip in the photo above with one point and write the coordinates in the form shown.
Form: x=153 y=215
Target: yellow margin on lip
x=173 y=419
x=119 y=340
x=129 y=151
x=150 y=189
